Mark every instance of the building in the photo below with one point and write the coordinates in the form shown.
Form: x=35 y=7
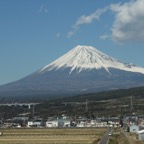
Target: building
x=140 y=135
x=35 y=123
x=81 y=124
x=58 y=123
x=134 y=128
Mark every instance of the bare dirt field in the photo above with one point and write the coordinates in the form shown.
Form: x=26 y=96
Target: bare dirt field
x=51 y=136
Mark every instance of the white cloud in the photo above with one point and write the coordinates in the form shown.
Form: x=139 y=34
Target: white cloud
x=128 y=25
x=86 y=20
x=129 y=22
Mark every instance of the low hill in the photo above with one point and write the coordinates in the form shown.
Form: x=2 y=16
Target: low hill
x=112 y=103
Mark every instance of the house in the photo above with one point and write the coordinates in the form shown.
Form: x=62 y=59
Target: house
x=91 y=123
x=134 y=128
x=20 y=118
x=51 y=123
x=81 y=124
x=131 y=119
x=35 y=123
x=58 y=123
x=140 y=135
x=67 y=123
x=30 y=123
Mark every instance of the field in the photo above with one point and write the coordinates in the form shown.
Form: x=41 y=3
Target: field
x=51 y=136
x=122 y=137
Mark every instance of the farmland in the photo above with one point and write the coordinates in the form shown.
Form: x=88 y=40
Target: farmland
x=52 y=136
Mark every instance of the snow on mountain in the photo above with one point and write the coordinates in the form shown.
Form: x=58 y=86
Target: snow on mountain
x=88 y=57
x=82 y=70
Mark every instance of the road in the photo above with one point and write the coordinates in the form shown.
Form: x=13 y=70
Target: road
x=105 y=138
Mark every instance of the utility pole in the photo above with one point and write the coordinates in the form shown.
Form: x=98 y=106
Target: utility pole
x=131 y=106
x=86 y=106
x=96 y=116
x=33 y=111
x=24 y=116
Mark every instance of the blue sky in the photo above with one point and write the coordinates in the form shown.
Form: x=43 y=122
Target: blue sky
x=33 y=33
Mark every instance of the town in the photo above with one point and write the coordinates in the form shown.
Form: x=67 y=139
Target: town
x=130 y=123
x=116 y=114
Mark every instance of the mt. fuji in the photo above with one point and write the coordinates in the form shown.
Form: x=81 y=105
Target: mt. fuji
x=87 y=57
x=84 y=69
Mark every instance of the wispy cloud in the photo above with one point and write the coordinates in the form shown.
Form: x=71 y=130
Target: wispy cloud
x=43 y=8
x=71 y=33
x=58 y=35
x=86 y=20
x=105 y=37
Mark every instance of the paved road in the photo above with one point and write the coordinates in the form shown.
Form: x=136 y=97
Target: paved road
x=105 y=138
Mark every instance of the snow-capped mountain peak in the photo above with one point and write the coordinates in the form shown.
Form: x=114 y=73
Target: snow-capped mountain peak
x=82 y=70
x=88 y=57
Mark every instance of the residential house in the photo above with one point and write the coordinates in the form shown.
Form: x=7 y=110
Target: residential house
x=134 y=128
x=35 y=123
x=58 y=123
x=140 y=135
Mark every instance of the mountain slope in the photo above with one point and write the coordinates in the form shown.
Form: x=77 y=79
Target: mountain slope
x=82 y=70
x=87 y=57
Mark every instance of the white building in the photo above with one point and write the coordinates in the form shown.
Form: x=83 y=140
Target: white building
x=52 y=123
x=35 y=123
x=134 y=128
x=140 y=135
x=82 y=124
x=58 y=123
x=30 y=124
